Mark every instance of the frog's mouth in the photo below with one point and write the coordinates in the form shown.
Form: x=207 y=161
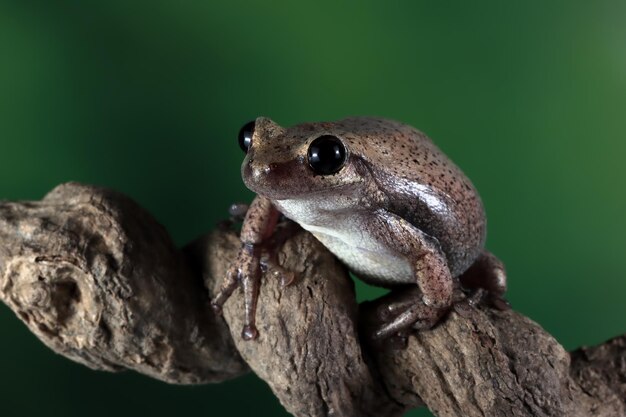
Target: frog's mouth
x=294 y=187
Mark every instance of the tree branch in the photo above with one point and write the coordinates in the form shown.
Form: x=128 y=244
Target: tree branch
x=99 y=281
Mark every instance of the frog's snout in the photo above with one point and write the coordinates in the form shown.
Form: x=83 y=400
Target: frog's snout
x=255 y=172
x=267 y=176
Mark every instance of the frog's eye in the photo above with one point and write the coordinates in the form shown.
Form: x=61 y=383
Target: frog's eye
x=327 y=155
x=245 y=136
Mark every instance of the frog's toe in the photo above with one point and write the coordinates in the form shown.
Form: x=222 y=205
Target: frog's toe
x=226 y=290
x=249 y=332
x=418 y=316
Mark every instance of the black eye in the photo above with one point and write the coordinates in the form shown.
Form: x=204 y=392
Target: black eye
x=327 y=155
x=245 y=136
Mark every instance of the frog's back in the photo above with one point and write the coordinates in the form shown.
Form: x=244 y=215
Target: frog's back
x=422 y=185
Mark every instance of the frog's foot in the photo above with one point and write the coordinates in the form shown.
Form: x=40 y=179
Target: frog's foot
x=406 y=314
x=244 y=272
x=485 y=281
x=419 y=316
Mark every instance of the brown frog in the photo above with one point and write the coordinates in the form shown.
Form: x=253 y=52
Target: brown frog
x=378 y=194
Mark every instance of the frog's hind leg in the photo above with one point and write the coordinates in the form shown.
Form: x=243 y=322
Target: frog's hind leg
x=430 y=272
x=486 y=275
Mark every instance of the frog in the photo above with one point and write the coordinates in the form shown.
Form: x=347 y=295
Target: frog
x=378 y=194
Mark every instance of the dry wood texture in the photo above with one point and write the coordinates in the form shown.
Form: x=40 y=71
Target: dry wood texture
x=98 y=280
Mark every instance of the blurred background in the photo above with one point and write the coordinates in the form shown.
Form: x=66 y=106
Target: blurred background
x=147 y=97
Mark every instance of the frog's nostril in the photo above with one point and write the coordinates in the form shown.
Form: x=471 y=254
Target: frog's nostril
x=256 y=170
x=273 y=167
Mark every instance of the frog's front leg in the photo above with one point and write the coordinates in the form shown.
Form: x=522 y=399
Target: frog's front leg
x=258 y=226
x=430 y=272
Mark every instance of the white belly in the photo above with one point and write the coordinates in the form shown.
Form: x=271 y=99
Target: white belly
x=346 y=235
x=369 y=261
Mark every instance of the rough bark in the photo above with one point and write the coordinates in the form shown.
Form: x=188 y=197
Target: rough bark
x=308 y=349
x=99 y=281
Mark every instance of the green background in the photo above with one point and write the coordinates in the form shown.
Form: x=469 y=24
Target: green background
x=529 y=98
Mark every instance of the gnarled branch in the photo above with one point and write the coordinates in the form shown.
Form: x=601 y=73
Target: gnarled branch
x=99 y=281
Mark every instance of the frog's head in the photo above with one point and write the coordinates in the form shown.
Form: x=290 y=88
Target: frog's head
x=307 y=159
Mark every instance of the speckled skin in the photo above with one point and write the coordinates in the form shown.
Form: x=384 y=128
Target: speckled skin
x=398 y=212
